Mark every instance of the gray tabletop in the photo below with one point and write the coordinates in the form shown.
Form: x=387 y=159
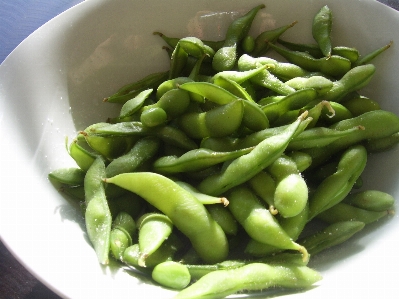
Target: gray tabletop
x=18 y=19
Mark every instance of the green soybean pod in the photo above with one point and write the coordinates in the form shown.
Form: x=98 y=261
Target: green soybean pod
x=250 y=164
x=131 y=90
x=321 y=30
x=83 y=157
x=264 y=185
x=361 y=104
x=194 y=160
x=220 y=121
x=224 y=218
x=353 y=80
x=332 y=235
x=345 y=212
x=261 y=45
x=203 y=198
x=382 y=144
x=225 y=58
x=337 y=186
x=254 y=276
x=143 y=150
x=371 y=200
x=98 y=217
x=154 y=229
x=258 y=222
x=185 y=211
x=71 y=176
x=291 y=195
x=171 y=274
x=123 y=229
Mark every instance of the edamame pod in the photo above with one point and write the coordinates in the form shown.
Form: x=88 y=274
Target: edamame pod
x=321 y=30
x=345 y=212
x=71 y=176
x=258 y=222
x=337 y=186
x=250 y=164
x=371 y=200
x=185 y=211
x=225 y=58
x=171 y=275
x=254 y=276
x=218 y=122
x=98 y=217
x=332 y=235
x=194 y=160
x=154 y=229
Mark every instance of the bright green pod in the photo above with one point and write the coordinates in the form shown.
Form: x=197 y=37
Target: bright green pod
x=282 y=70
x=345 y=212
x=291 y=195
x=340 y=113
x=334 y=65
x=224 y=218
x=254 y=276
x=132 y=90
x=373 y=54
x=194 y=160
x=319 y=137
x=319 y=83
x=361 y=104
x=264 y=185
x=165 y=253
x=261 y=41
x=225 y=58
x=171 y=84
x=186 y=212
x=321 y=30
x=71 y=176
x=293 y=101
x=355 y=79
x=376 y=124
x=195 y=47
x=301 y=159
x=349 y=53
x=248 y=44
x=265 y=78
x=332 y=235
x=143 y=150
x=210 y=91
x=382 y=144
x=82 y=156
x=154 y=116
x=258 y=222
x=98 y=217
x=293 y=226
x=371 y=200
x=178 y=61
x=123 y=229
x=172 y=275
x=218 y=122
x=119 y=241
x=154 y=229
x=250 y=164
x=134 y=104
x=337 y=186
x=205 y=199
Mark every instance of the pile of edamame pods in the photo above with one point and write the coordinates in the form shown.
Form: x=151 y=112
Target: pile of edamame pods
x=214 y=170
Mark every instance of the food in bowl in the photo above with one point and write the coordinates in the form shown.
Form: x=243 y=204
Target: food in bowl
x=216 y=168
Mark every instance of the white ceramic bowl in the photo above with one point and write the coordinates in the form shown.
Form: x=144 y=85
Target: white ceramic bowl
x=53 y=83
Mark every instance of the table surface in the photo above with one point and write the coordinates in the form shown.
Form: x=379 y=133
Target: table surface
x=18 y=19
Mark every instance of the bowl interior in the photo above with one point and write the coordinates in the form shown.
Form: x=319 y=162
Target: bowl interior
x=53 y=84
